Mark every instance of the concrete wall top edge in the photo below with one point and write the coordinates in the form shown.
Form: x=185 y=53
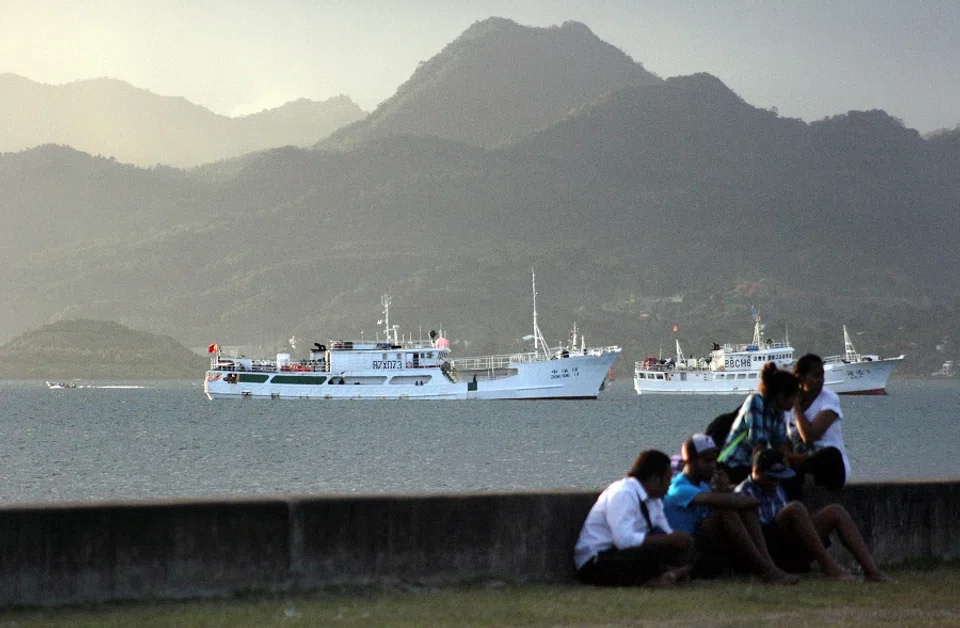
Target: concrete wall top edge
x=288 y=499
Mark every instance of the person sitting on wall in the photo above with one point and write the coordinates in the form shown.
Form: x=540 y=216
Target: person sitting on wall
x=813 y=427
x=760 y=422
x=626 y=540
x=725 y=526
x=795 y=537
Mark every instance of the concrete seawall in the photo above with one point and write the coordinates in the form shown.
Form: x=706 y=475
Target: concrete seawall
x=73 y=553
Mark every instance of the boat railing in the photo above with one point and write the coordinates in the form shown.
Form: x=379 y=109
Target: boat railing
x=371 y=345
x=672 y=367
x=767 y=346
x=490 y=362
x=266 y=366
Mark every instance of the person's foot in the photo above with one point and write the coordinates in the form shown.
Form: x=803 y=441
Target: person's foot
x=664 y=581
x=779 y=577
x=880 y=578
x=841 y=576
x=683 y=573
x=671 y=577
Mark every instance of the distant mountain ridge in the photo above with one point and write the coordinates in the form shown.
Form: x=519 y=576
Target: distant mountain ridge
x=89 y=349
x=497 y=81
x=112 y=118
x=671 y=202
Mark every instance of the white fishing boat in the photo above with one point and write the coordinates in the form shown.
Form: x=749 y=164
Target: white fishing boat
x=397 y=368
x=857 y=374
x=735 y=369
x=727 y=370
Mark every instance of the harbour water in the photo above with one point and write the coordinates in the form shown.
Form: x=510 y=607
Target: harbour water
x=166 y=440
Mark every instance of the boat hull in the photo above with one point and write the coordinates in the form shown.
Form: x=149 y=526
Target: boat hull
x=859 y=378
x=575 y=377
x=694 y=382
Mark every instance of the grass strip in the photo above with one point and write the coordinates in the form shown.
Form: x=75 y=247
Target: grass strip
x=920 y=597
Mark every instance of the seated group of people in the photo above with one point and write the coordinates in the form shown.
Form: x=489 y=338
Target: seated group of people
x=734 y=506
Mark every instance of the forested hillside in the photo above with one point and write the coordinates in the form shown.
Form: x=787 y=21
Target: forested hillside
x=641 y=203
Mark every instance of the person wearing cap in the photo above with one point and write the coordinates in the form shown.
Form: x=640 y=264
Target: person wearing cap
x=626 y=540
x=724 y=525
x=795 y=537
x=761 y=421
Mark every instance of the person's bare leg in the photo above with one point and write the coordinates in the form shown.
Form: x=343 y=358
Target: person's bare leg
x=751 y=523
x=794 y=523
x=836 y=517
x=727 y=526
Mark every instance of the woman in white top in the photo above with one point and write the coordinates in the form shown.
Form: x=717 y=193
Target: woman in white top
x=814 y=430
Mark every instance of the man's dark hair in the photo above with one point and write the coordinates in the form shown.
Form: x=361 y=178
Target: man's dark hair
x=806 y=364
x=649 y=463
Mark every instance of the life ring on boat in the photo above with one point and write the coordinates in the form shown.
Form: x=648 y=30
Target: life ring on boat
x=409 y=365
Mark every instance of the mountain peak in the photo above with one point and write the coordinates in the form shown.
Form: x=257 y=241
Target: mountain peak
x=499 y=80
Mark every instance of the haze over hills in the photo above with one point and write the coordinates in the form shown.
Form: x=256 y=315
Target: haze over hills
x=647 y=204
x=115 y=119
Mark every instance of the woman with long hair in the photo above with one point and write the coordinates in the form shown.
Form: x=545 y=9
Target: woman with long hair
x=760 y=422
x=813 y=427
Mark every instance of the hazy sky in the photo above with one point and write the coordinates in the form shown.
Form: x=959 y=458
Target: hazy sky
x=808 y=58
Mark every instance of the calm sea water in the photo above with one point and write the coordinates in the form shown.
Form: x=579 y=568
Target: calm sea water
x=168 y=440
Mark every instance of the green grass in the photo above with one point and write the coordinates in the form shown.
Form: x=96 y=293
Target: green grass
x=921 y=597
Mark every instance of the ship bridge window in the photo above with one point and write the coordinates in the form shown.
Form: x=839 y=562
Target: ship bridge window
x=298 y=379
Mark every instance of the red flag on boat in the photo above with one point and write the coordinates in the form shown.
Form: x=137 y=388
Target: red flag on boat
x=214 y=348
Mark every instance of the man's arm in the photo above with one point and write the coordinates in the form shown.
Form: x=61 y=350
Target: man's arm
x=628 y=528
x=734 y=501
x=812 y=431
x=680 y=540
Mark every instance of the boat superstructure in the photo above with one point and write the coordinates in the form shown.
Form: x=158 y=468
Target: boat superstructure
x=728 y=369
x=398 y=368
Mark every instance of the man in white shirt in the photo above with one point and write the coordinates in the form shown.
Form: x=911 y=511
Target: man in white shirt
x=626 y=539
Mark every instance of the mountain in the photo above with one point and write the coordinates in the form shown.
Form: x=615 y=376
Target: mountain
x=652 y=205
x=115 y=119
x=87 y=349
x=499 y=80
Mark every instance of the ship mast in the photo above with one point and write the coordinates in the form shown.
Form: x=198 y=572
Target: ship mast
x=757 y=328
x=849 y=349
x=538 y=341
x=391 y=332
